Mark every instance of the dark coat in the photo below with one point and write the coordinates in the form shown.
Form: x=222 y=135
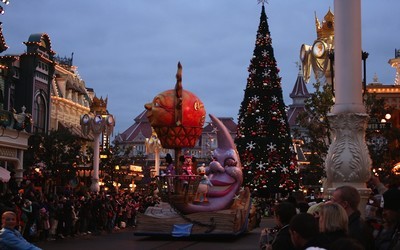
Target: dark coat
x=282 y=240
x=361 y=231
x=327 y=238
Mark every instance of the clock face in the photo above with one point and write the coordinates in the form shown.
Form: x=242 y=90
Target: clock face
x=319 y=49
x=97 y=119
x=85 y=119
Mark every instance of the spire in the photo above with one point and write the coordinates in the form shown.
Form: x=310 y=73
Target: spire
x=300 y=88
x=299 y=95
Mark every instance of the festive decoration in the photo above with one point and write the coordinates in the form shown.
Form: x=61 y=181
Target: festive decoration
x=263 y=136
x=177 y=116
x=224 y=172
x=202 y=189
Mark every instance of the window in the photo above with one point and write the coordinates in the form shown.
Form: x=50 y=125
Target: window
x=40 y=114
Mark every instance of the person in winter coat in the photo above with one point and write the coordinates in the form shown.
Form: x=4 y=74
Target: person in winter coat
x=11 y=238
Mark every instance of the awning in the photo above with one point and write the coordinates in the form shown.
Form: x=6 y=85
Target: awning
x=4 y=175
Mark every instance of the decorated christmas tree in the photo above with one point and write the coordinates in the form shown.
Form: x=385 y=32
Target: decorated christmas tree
x=263 y=136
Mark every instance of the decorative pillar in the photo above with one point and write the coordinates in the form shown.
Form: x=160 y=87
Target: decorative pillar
x=95 y=187
x=19 y=168
x=97 y=125
x=348 y=161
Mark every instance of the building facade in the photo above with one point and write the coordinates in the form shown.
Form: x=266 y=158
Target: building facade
x=44 y=87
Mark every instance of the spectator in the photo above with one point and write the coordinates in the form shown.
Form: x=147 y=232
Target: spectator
x=349 y=198
x=284 y=212
x=377 y=184
x=333 y=223
x=304 y=231
x=389 y=236
x=27 y=217
x=12 y=184
x=315 y=209
x=11 y=238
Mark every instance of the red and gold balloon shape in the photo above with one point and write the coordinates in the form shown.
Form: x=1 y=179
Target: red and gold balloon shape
x=177 y=115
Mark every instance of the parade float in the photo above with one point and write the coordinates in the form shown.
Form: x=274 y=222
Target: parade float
x=208 y=200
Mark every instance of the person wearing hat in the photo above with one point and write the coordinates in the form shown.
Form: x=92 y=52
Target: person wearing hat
x=389 y=236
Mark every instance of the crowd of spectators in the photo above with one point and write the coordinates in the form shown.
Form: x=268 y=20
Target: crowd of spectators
x=338 y=222
x=72 y=211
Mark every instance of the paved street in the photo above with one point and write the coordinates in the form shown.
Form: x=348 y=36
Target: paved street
x=125 y=239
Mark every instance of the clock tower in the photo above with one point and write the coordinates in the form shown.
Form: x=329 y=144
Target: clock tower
x=315 y=57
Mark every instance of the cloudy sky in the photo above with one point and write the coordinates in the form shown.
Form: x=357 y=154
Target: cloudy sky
x=128 y=50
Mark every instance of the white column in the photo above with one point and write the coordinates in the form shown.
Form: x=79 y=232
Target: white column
x=348 y=161
x=95 y=187
x=348 y=67
x=19 y=168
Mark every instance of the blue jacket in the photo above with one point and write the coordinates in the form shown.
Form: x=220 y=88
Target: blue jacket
x=13 y=240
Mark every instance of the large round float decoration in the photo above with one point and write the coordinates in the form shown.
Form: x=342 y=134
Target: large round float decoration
x=177 y=116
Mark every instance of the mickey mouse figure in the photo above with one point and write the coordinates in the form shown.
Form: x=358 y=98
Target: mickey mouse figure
x=186 y=170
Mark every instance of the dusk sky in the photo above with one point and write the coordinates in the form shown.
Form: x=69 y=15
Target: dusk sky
x=128 y=50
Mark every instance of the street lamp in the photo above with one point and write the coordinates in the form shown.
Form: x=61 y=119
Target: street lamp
x=153 y=145
x=97 y=124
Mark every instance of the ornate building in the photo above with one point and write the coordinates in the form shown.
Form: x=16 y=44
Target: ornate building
x=42 y=85
x=391 y=95
x=69 y=97
x=389 y=92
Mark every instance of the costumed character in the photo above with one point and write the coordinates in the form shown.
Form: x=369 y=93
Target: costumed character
x=187 y=170
x=224 y=172
x=202 y=190
x=170 y=173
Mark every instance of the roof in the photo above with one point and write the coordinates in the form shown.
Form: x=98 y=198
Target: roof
x=293 y=113
x=300 y=88
x=299 y=94
x=140 y=127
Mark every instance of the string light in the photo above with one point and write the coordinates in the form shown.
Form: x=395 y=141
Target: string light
x=6 y=2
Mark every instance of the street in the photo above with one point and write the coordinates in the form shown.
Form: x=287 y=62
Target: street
x=125 y=239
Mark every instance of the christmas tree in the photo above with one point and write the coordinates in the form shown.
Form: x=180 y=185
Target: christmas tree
x=263 y=136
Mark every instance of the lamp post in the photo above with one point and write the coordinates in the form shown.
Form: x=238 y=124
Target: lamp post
x=97 y=124
x=153 y=145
